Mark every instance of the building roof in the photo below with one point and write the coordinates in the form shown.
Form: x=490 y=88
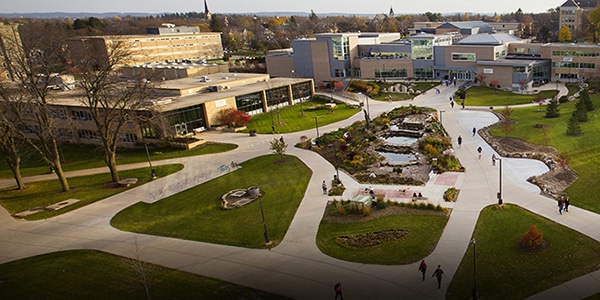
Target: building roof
x=465 y=25
x=580 y=3
x=489 y=39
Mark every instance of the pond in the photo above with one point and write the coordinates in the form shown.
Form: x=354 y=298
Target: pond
x=400 y=140
x=398 y=157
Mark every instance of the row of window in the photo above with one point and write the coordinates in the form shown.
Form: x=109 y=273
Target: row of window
x=464 y=57
x=574 y=65
x=575 y=53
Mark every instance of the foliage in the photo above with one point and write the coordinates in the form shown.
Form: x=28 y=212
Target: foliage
x=580 y=112
x=278 y=146
x=233 y=118
x=486 y=96
x=552 y=109
x=573 y=127
x=585 y=98
x=507 y=122
x=450 y=194
x=565 y=34
x=532 y=239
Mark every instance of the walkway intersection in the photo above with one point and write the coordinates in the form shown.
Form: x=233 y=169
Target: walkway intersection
x=296 y=268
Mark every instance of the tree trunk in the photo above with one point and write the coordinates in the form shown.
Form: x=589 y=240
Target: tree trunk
x=15 y=168
x=61 y=175
x=111 y=162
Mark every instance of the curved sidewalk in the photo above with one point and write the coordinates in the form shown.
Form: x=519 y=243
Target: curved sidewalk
x=296 y=268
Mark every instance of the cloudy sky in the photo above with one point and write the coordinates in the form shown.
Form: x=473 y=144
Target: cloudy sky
x=250 y=6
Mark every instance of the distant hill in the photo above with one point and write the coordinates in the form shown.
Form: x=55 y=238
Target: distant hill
x=80 y=15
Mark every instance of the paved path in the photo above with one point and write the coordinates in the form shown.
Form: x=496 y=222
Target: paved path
x=296 y=268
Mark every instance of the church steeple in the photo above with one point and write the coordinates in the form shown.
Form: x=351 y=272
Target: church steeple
x=206 y=11
x=391 y=12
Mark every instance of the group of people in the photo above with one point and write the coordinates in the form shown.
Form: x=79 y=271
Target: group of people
x=563 y=204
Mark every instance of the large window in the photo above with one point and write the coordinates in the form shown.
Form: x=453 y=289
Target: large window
x=340 y=48
x=574 y=65
x=186 y=119
x=391 y=73
x=81 y=115
x=422 y=49
x=88 y=134
x=277 y=97
x=464 y=57
x=250 y=103
x=520 y=69
x=423 y=73
x=301 y=91
x=575 y=53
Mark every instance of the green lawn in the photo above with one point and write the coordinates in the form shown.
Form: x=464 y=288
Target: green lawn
x=86 y=274
x=424 y=232
x=195 y=214
x=293 y=119
x=82 y=156
x=486 y=96
x=87 y=189
x=505 y=272
x=584 y=150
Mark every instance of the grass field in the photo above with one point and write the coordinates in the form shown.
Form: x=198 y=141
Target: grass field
x=424 y=232
x=86 y=274
x=486 y=96
x=194 y=214
x=300 y=117
x=87 y=189
x=505 y=272
x=82 y=156
x=583 y=151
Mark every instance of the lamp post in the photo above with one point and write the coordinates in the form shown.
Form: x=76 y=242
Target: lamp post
x=152 y=172
x=337 y=171
x=366 y=111
x=265 y=233
x=500 y=182
x=474 y=268
x=316 y=126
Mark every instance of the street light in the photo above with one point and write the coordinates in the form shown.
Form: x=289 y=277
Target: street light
x=474 y=268
x=265 y=233
x=316 y=126
x=337 y=171
x=500 y=183
x=152 y=172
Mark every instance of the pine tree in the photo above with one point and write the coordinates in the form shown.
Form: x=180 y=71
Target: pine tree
x=552 y=109
x=573 y=128
x=585 y=97
x=580 y=112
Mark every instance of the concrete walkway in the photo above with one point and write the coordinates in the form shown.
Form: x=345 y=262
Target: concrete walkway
x=296 y=268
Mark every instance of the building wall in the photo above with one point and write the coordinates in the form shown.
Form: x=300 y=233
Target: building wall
x=503 y=74
x=320 y=62
x=280 y=65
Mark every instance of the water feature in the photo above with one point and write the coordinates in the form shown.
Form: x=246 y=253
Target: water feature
x=400 y=140
x=398 y=158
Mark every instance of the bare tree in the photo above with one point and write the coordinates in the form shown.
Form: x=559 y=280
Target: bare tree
x=111 y=101
x=9 y=148
x=34 y=62
x=146 y=271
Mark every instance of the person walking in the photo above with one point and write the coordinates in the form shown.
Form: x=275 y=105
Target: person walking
x=324 y=186
x=423 y=268
x=494 y=159
x=479 y=149
x=438 y=273
x=452 y=103
x=463 y=104
x=561 y=204
x=567 y=202
x=474 y=131
x=338 y=291
x=459 y=141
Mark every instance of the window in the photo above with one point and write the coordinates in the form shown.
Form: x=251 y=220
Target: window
x=88 y=134
x=81 y=115
x=128 y=138
x=250 y=103
x=464 y=57
x=520 y=69
x=422 y=49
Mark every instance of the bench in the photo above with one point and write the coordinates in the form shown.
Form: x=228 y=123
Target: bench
x=128 y=181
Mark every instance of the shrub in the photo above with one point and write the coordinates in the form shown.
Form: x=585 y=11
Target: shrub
x=532 y=240
x=233 y=117
x=450 y=194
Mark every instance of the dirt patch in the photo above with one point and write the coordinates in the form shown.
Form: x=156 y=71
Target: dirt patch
x=552 y=183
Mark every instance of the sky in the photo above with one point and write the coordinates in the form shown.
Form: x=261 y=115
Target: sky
x=250 y=6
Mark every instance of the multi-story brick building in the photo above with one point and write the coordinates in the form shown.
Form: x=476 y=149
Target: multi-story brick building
x=573 y=14
x=10 y=41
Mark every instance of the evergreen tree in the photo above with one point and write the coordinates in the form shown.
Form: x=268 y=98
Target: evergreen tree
x=573 y=128
x=585 y=97
x=215 y=24
x=552 y=109
x=580 y=112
